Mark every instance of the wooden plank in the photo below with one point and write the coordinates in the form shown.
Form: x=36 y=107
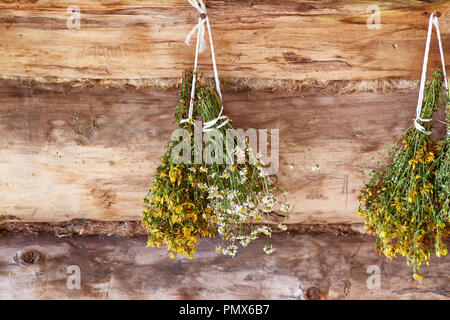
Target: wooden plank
x=91 y=153
x=112 y=268
x=288 y=39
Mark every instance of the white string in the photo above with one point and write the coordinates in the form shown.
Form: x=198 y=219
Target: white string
x=433 y=22
x=200 y=47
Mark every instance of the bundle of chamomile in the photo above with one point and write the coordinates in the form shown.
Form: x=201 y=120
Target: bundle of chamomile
x=189 y=201
x=405 y=202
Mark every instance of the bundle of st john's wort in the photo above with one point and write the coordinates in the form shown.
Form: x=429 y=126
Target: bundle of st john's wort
x=189 y=201
x=403 y=202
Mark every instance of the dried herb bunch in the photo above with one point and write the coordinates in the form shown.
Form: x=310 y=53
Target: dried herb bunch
x=400 y=202
x=188 y=201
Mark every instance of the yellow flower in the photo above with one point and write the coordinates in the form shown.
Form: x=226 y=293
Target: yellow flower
x=360 y=212
x=174 y=219
x=429 y=157
x=178 y=210
x=441 y=252
x=417 y=276
x=187 y=232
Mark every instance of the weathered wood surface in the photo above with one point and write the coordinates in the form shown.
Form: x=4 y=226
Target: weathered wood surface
x=112 y=268
x=91 y=153
x=288 y=39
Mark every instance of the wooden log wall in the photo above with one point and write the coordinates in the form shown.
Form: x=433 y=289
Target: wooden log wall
x=275 y=39
x=302 y=267
x=83 y=153
x=90 y=152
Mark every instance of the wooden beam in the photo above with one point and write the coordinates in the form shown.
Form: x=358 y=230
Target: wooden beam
x=288 y=39
x=112 y=268
x=134 y=228
x=91 y=153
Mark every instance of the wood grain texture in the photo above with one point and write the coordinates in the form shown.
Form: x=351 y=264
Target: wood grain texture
x=91 y=153
x=113 y=268
x=284 y=39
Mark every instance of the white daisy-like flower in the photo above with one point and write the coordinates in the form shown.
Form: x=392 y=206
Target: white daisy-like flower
x=253 y=235
x=269 y=201
x=240 y=154
x=244 y=180
x=262 y=173
x=291 y=166
x=203 y=169
x=222 y=229
x=232 y=250
x=239 y=209
x=212 y=192
x=225 y=175
x=243 y=171
x=202 y=186
x=231 y=195
x=265 y=230
x=192 y=169
x=285 y=207
x=253 y=212
x=250 y=205
x=213 y=188
x=282 y=227
x=245 y=241
x=315 y=167
x=269 y=249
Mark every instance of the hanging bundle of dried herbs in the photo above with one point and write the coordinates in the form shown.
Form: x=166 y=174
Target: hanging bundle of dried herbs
x=228 y=193
x=400 y=202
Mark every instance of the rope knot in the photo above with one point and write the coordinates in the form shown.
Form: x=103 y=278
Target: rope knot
x=200 y=27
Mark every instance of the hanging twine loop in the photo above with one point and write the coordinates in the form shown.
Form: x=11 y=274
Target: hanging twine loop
x=200 y=27
x=433 y=22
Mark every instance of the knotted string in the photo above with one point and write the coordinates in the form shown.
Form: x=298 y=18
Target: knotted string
x=200 y=47
x=433 y=22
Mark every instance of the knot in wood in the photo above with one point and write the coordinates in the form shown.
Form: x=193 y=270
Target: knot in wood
x=28 y=257
x=315 y=293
